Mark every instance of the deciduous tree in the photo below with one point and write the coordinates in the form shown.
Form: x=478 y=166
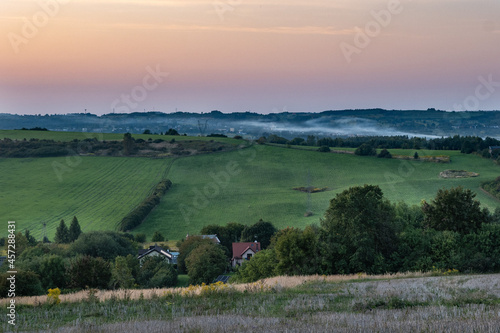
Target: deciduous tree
x=358 y=232
x=185 y=249
x=205 y=263
x=128 y=144
x=261 y=232
x=455 y=210
x=89 y=272
x=122 y=274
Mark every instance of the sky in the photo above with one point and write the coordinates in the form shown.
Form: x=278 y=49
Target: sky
x=265 y=56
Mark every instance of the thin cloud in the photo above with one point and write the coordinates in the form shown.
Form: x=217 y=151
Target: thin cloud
x=303 y=30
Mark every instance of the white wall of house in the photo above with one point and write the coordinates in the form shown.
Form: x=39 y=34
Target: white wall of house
x=238 y=262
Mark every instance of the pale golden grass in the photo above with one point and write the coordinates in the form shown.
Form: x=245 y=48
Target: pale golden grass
x=262 y=285
x=294 y=281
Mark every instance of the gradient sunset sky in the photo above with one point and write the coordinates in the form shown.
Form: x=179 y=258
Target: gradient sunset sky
x=239 y=55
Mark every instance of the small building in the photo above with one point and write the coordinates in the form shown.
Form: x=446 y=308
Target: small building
x=491 y=148
x=244 y=251
x=214 y=238
x=155 y=250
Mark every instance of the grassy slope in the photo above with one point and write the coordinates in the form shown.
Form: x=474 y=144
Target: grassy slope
x=263 y=188
x=99 y=191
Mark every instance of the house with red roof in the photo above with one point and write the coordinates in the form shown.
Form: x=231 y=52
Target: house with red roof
x=244 y=251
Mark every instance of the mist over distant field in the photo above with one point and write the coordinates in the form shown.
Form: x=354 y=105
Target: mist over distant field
x=331 y=127
x=343 y=123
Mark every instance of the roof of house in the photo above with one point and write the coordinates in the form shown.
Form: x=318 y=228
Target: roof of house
x=212 y=237
x=240 y=248
x=494 y=147
x=153 y=248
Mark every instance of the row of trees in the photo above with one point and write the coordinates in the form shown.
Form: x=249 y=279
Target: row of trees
x=136 y=216
x=466 y=144
x=65 y=235
x=363 y=232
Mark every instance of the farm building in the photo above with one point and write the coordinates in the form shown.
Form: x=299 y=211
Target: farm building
x=155 y=250
x=244 y=251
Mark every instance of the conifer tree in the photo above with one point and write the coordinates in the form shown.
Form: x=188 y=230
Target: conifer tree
x=62 y=233
x=74 y=230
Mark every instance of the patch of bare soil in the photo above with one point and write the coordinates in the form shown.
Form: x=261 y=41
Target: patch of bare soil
x=457 y=174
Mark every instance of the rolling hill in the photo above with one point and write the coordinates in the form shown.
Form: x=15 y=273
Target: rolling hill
x=239 y=186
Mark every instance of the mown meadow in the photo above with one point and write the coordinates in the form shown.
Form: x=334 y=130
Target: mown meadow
x=99 y=190
x=242 y=185
x=410 y=302
x=262 y=187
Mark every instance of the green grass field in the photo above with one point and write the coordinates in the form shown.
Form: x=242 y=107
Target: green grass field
x=99 y=191
x=266 y=175
x=239 y=186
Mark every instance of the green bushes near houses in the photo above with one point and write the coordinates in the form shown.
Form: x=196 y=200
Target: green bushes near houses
x=363 y=232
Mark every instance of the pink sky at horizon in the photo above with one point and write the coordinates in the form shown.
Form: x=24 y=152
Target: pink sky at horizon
x=239 y=55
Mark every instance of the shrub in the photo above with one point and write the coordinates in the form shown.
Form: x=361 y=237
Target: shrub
x=88 y=272
x=384 y=154
x=140 y=238
x=27 y=284
x=365 y=150
x=157 y=237
x=156 y=272
x=104 y=244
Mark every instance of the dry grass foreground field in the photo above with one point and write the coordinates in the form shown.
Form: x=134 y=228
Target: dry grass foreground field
x=358 y=303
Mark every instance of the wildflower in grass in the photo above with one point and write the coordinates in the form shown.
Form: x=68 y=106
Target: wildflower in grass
x=53 y=296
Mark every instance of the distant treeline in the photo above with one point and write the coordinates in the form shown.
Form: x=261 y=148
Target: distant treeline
x=34 y=129
x=466 y=144
x=135 y=217
x=51 y=148
x=92 y=146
